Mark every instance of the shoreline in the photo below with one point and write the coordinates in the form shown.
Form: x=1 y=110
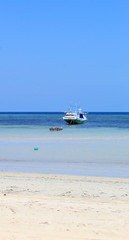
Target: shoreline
x=63 y=176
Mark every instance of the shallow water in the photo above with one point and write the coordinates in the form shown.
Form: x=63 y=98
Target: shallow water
x=92 y=149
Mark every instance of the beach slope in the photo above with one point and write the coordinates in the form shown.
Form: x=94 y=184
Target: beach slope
x=54 y=207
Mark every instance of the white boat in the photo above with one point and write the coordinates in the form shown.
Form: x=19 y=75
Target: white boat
x=75 y=117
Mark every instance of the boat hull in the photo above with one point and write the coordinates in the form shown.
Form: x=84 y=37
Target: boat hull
x=74 y=121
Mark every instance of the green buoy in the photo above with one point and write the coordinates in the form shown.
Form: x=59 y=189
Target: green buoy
x=36 y=148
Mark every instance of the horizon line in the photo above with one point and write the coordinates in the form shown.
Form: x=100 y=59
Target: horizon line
x=29 y=112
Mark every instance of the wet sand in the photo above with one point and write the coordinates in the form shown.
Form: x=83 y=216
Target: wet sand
x=54 y=207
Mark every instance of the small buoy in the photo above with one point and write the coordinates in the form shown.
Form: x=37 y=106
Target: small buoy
x=36 y=148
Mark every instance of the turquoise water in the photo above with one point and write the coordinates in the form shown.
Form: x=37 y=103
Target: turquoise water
x=100 y=147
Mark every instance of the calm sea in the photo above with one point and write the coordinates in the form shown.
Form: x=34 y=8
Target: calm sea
x=95 y=120
x=99 y=147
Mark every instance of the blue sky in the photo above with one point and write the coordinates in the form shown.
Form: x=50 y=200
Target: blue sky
x=62 y=52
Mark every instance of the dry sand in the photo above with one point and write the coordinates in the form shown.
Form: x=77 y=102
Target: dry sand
x=54 y=207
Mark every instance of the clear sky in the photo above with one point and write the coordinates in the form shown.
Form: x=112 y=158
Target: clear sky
x=59 y=52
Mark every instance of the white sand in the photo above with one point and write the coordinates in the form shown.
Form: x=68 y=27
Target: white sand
x=49 y=207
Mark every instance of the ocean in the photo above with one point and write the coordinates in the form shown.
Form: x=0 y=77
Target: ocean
x=99 y=147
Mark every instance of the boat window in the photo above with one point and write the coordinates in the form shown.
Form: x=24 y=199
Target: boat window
x=70 y=114
x=81 y=115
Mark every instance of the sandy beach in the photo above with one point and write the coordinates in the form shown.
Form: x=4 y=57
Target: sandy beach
x=36 y=206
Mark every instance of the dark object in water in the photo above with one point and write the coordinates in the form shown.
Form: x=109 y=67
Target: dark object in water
x=55 y=128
